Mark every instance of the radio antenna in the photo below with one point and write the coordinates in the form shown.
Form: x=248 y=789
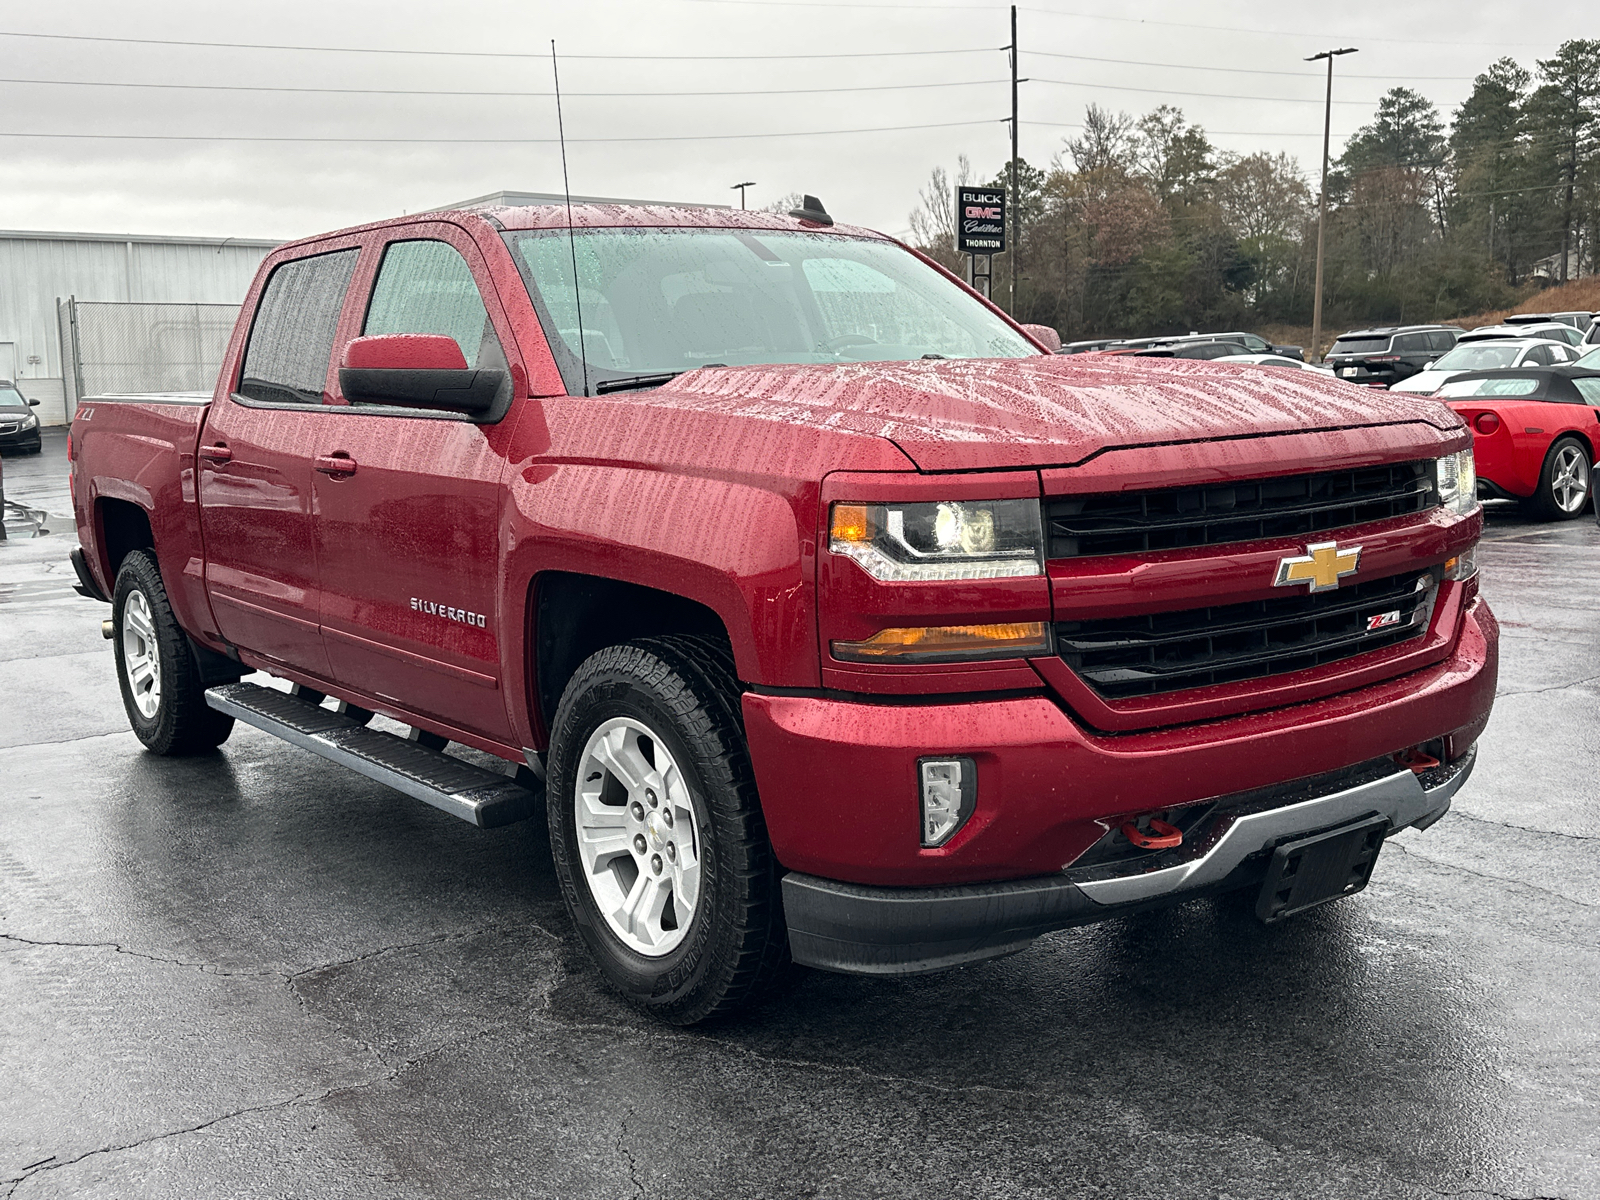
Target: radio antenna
x=572 y=245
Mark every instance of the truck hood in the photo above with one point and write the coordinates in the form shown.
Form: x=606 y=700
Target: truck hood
x=976 y=414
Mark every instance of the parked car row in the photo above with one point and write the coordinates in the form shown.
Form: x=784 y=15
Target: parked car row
x=1191 y=345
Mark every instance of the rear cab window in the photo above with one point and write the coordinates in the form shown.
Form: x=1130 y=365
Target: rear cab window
x=1509 y=386
x=291 y=337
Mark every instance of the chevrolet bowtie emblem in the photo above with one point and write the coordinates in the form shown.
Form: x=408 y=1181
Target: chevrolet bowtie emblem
x=1322 y=566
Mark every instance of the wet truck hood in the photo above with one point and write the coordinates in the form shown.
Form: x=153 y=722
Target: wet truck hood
x=963 y=415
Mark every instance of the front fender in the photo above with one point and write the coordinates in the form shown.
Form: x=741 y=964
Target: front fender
x=745 y=551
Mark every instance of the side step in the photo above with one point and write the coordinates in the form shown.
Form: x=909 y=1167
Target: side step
x=461 y=789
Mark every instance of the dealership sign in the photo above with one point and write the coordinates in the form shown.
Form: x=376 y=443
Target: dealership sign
x=980 y=220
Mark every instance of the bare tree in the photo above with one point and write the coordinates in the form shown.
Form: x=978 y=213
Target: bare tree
x=1263 y=195
x=783 y=204
x=933 y=224
x=1108 y=141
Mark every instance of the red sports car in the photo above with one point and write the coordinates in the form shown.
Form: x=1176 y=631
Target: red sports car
x=1535 y=434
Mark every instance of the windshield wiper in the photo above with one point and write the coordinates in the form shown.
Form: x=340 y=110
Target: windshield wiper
x=629 y=382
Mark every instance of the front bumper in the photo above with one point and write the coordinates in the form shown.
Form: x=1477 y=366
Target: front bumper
x=906 y=931
x=838 y=777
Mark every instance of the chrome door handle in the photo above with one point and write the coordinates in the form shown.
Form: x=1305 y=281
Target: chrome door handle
x=335 y=464
x=217 y=454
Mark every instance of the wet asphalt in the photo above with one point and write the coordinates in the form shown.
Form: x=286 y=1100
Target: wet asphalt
x=254 y=975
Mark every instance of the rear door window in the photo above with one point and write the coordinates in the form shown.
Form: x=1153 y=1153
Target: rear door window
x=1441 y=342
x=1411 y=343
x=291 y=339
x=427 y=287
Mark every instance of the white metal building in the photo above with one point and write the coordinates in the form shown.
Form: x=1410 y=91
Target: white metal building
x=37 y=270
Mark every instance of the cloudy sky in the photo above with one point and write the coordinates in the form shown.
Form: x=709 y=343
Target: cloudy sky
x=325 y=113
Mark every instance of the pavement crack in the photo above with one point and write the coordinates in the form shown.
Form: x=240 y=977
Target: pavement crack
x=1554 y=687
x=1576 y=837
x=52 y=1164
x=118 y=947
x=622 y=1149
x=1501 y=879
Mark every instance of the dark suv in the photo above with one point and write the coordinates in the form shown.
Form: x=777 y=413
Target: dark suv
x=1388 y=355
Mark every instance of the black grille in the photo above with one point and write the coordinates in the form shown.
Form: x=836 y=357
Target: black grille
x=1289 y=506
x=1167 y=652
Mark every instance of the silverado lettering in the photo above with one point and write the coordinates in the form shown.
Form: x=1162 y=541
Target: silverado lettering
x=836 y=620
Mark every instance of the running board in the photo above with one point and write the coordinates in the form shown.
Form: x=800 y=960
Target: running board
x=461 y=789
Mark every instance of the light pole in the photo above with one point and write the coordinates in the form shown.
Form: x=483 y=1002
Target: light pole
x=740 y=187
x=1322 y=199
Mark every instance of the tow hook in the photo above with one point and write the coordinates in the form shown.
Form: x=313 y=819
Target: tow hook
x=1160 y=835
x=1417 y=759
x=107 y=630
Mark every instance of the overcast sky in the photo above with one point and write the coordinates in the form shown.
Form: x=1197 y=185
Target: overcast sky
x=1234 y=68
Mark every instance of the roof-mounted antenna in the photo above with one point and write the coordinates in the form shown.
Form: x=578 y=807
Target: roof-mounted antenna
x=811 y=210
x=572 y=245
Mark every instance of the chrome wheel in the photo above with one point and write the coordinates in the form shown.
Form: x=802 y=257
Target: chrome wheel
x=141 y=658
x=638 y=836
x=1569 y=479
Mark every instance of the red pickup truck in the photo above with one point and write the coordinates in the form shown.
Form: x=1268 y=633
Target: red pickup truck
x=828 y=614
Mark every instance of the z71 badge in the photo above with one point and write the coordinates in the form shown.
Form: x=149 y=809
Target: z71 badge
x=434 y=609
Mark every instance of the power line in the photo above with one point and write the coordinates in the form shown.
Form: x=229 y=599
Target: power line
x=234 y=87
x=1117 y=87
x=1055 y=12
x=1294 y=33
x=130 y=41
x=509 y=141
x=1131 y=62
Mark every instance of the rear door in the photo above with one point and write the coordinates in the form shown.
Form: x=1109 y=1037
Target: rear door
x=408 y=534
x=254 y=466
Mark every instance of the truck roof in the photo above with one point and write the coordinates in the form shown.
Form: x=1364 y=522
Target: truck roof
x=609 y=216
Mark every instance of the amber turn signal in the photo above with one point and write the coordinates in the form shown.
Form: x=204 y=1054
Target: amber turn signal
x=851 y=523
x=949 y=643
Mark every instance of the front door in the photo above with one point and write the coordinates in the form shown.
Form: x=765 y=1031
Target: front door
x=408 y=509
x=254 y=468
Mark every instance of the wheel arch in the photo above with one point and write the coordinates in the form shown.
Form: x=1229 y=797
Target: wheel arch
x=571 y=615
x=121 y=527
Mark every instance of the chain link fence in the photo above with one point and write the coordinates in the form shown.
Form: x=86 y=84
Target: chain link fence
x=115 y=347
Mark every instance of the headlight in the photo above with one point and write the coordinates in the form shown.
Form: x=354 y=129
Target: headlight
x=965 y=539
x=1456 y=479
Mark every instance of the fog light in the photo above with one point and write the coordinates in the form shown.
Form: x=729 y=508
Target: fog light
x=949 y=794
x=1462 y=566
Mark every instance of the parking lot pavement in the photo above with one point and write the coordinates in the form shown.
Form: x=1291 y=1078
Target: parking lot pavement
x=252 y=974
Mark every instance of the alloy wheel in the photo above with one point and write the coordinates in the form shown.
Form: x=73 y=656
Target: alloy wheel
x=1569 y=479
x=638 y=836
x=141 y=657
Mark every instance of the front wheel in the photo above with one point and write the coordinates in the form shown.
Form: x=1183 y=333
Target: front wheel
x=1564 y=481
x=656 y=830
x=161 y=688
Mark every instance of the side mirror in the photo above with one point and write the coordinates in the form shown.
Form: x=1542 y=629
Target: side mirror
x=1428 y=366
x=417 y=370
x=33 y=404
x=1045 y=336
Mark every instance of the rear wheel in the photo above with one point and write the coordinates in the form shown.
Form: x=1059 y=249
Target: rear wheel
x=161 y=688
x=1564 y=481
x=656 y=830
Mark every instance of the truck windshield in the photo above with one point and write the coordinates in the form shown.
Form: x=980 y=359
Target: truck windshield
x=657 y=302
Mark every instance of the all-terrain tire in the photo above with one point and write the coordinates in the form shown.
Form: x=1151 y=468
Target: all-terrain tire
x=161 y=688
x=1566 y=481
x=734 y=946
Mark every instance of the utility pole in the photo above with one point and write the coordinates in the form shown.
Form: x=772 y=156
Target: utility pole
x=740 y=187
x=1016 y=202
x=1322 y=200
